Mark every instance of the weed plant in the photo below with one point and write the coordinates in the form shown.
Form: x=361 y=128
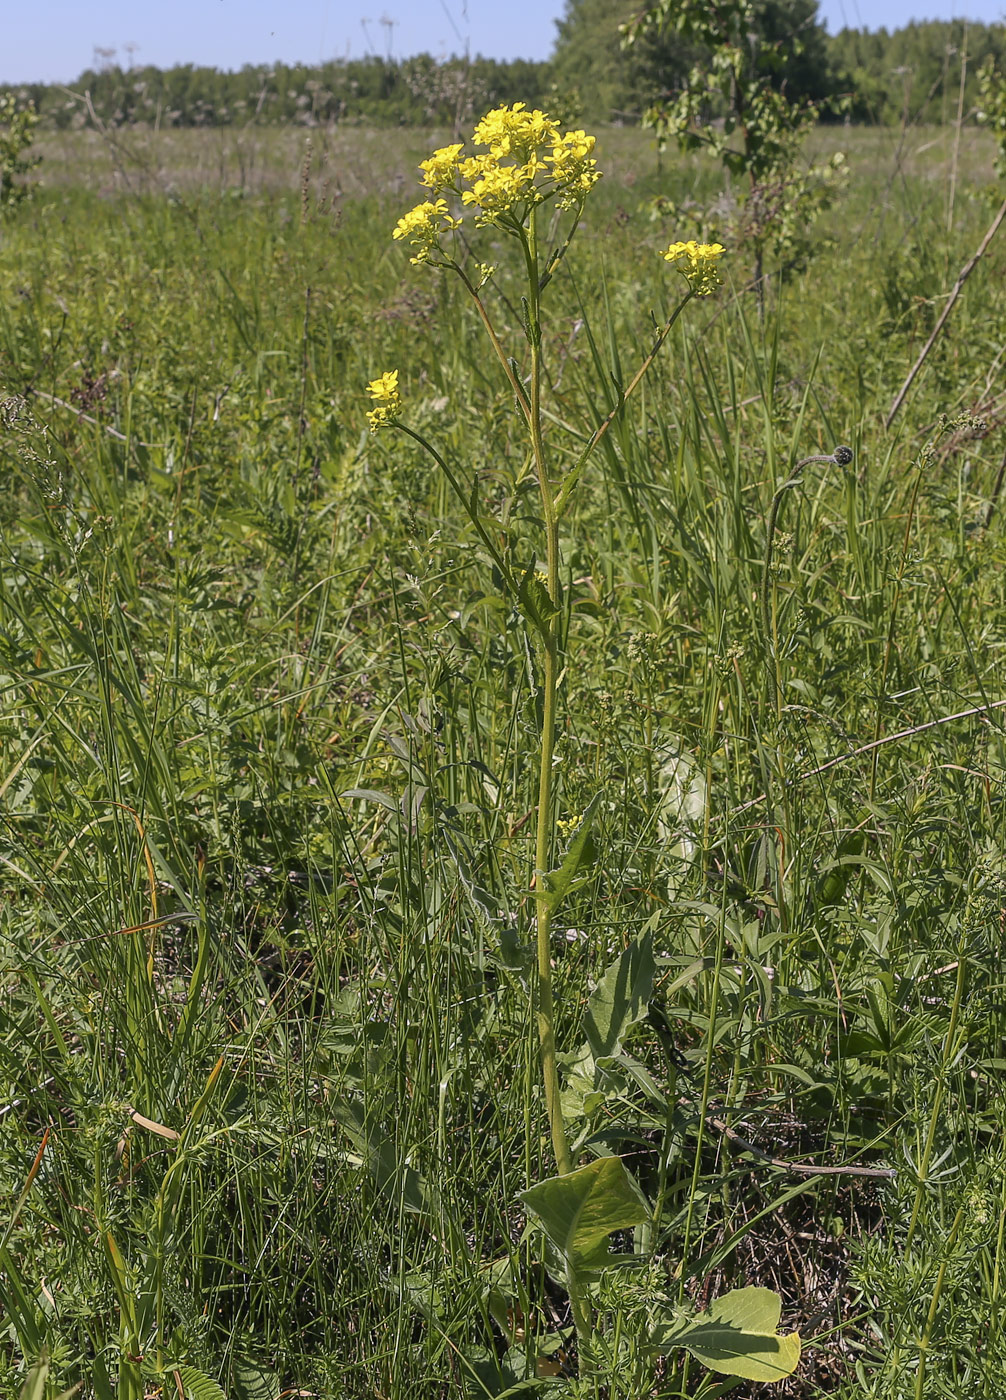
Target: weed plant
x=268 y=1105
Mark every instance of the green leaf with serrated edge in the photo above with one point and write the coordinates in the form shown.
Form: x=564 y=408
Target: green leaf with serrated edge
x=556 y=884
x=197 y=1385
x=535 y=600
x=736 y=1336
x=580 y=1210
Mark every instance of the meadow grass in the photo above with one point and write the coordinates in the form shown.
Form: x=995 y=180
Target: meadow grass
x=269 y=745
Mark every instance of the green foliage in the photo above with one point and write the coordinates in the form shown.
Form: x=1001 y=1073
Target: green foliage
x=225 y=607
x=580 y=1210
x=912 y=75
x=733 y=105
x=417 y=91
x=17 y=124
x=737 y=1336
x=992 y=112
x=617 y=83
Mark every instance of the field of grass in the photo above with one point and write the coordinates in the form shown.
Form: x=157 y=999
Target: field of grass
x=268 y=1085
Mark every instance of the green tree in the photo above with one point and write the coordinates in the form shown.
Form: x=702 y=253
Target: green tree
x=616 y=82
x=17 y=123
x=744 y=104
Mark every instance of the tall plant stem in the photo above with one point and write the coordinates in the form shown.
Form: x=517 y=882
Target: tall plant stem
x=892 y=624
x=549 y=633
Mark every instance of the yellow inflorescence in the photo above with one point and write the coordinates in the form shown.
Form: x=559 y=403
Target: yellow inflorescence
x=698 y=263
x=441 y=168
x=527 y=160
x=387 y=400
x=423 y=225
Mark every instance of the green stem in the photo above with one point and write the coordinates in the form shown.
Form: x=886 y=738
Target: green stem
x=549 y=632
x=768 y=608
x=889 y=647
x=920 y=1375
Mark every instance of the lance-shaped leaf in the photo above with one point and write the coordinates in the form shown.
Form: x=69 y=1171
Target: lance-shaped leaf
x=620 y=998
x=618 y=1002
x=556 y=884
x=737 y=1336
x=580 y=1210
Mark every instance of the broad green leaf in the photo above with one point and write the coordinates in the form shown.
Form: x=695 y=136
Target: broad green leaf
x=618 y=1002
x=198 y=1386
x=557 y=883
x=620 y=999
x=252 y=1381
x=580 y=1210
x=737 y=1336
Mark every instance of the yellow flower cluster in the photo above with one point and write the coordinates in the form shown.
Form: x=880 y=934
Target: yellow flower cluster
x=514 y=131
x=698 y=263
x=440 y=169
x=573 y=168
x=423 y=225
x=387 y=400
x=528 y=159
x=496 y=188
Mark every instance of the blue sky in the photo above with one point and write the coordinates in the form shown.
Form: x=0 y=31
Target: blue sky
x=54 y=40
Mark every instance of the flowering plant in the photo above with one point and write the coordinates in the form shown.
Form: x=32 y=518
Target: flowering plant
x=526 y=163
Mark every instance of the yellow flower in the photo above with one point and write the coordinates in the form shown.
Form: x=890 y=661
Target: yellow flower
x=387 y=400
x=423 y=225
x=573 y=169
x=698 y=263
x=442 y=167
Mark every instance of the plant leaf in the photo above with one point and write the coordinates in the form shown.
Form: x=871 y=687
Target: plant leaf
x=580 y=1210
x=556 y=884
x=253 y=1381
x=737 y=1336
x=197 y=1385
x=620 y=999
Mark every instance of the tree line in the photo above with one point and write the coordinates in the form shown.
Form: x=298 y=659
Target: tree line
x=913 y=73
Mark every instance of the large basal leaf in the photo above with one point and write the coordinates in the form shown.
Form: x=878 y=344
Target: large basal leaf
x=620 y=998
x=556 y=884
x=580 y=1210
x=737 y=1336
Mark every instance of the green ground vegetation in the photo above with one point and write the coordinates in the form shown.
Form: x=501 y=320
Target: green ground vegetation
x=268 y=1096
